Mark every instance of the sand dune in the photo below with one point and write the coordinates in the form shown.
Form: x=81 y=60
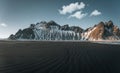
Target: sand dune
x=58 y=57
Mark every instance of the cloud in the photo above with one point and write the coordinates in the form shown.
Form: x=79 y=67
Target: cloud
x=71 y=8
x=95 y=13
x=3 y=25
x=78 y=15
x=75 y=10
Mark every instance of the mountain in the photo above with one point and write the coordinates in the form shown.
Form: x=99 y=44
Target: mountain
x=102 y=31
x=48 y=31
x=53 y=31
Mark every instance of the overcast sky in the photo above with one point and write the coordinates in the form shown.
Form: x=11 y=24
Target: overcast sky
x=16 y=14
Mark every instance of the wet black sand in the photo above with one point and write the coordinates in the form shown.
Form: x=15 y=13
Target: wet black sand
x=58 y=57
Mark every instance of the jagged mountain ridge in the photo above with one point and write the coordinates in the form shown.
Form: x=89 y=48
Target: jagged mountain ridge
x=53 y=31
x=48 y=31
x=102 y=31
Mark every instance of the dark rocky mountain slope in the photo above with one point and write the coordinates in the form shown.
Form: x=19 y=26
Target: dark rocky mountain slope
x=53 y=31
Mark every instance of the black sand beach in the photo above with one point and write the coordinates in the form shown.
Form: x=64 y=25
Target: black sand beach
x=58 y=57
